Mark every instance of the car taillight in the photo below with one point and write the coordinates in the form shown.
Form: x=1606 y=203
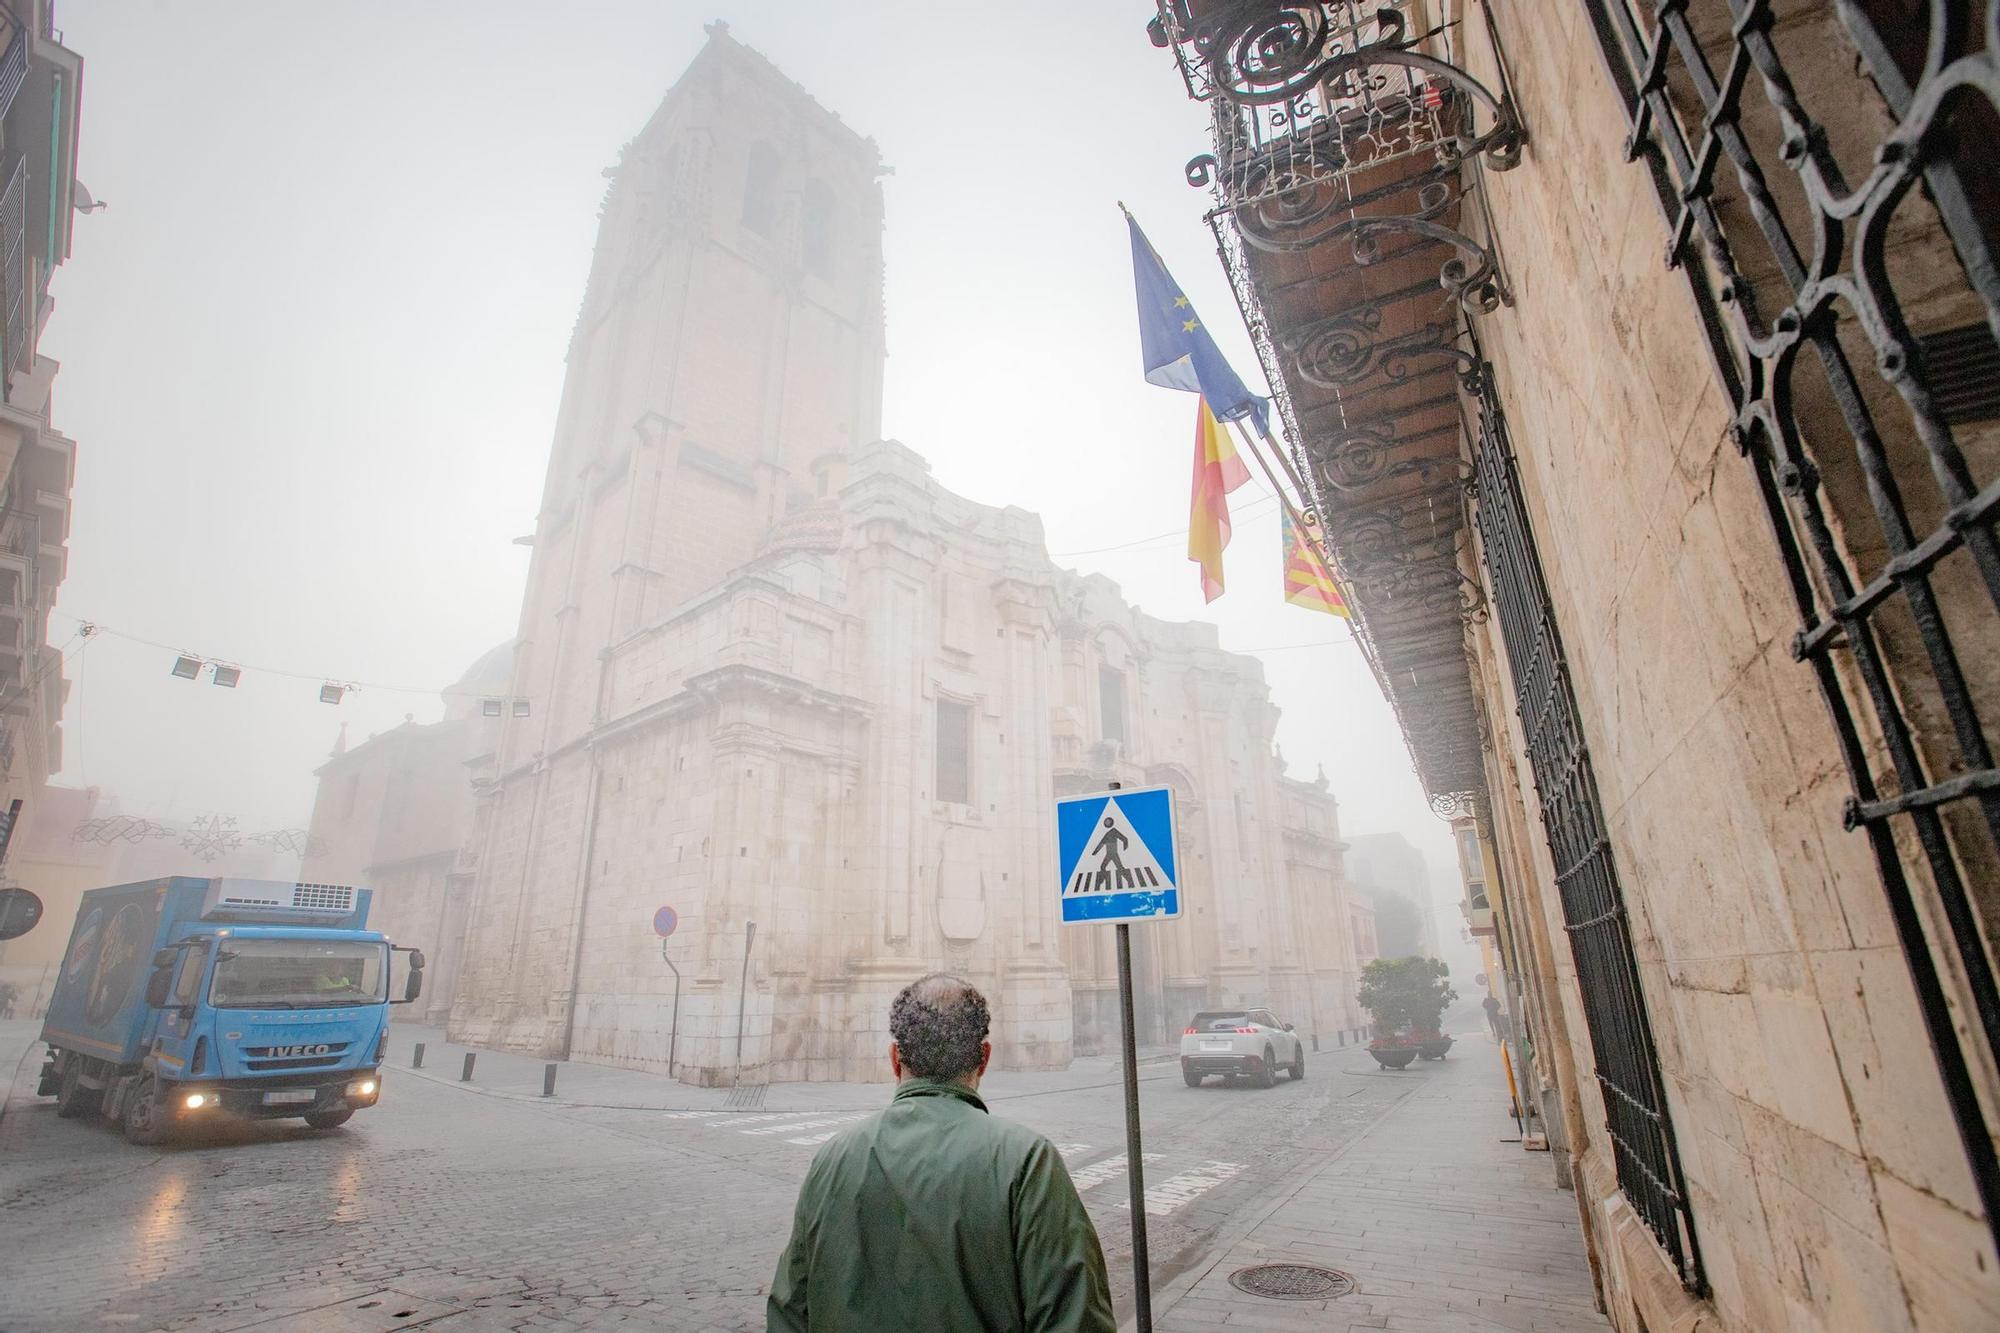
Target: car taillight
x=1189 y=1033
x=1249 y=1032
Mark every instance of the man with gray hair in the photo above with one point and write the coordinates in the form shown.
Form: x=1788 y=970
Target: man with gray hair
x=933 y=1215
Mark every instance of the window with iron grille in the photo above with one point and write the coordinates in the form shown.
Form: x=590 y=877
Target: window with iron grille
x=1827 y=176
x=1593 y=900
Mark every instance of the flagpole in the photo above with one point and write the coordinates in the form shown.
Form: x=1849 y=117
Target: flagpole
x=1284 y=498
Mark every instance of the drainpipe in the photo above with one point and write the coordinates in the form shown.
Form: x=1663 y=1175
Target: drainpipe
x=743 y=996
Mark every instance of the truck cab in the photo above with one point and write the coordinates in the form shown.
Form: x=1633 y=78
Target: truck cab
x=258 y=1000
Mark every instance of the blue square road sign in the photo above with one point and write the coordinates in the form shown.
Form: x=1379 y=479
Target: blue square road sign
x=1117 y=856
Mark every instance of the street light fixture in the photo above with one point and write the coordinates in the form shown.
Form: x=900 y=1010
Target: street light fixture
x=187 y=667
x=330 y=693
x=226 y=676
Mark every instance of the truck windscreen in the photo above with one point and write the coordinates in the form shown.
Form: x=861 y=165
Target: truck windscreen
x=299 y=974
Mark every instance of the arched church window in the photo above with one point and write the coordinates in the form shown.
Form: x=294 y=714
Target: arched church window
x=816 y=228
x=760 y=191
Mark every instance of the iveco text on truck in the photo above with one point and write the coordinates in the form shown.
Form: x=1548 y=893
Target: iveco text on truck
x=184 y=999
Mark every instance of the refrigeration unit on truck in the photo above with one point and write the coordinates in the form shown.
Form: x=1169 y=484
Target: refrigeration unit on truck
x=185 y=999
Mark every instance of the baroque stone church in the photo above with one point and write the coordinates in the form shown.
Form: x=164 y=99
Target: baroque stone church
x=784 y=684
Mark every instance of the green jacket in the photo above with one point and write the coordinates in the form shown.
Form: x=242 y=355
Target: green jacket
x=933 y=1216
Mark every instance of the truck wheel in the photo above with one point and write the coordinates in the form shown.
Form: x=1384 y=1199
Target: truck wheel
x=147 y=1119
x=329 y=1119
x=73 y=1100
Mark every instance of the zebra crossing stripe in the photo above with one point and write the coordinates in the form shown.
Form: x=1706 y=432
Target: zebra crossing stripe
x=1071 y=1151
x=1179 y=1191
x=810 y=1139
x=1099 y=1172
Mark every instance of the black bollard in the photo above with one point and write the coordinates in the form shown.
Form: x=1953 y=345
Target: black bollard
x=417 y=1057
x=1315 y=1043
x=548 y=1080
x=465 y=1076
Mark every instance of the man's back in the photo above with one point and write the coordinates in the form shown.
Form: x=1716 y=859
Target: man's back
x=934 y=1215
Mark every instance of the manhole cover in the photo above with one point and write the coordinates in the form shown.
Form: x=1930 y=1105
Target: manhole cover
x=1292 y=1282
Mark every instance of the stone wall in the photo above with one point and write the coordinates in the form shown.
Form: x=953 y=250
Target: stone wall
x=1827 y=1188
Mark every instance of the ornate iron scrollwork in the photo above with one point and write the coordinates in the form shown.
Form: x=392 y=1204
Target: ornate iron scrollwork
x=1256 y=52
x=1454 y=804
x=1343 y=351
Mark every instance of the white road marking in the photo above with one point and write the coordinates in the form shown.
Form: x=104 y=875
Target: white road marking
x=1071 y=1151
x=1176 y=1193
x=1099 y=1172
x=806 y=1124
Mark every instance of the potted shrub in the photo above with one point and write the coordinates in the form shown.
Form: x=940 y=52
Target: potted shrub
x=1394 y=1051
x=1407 y=997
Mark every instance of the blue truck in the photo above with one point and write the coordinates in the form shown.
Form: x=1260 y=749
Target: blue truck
x=185 y=999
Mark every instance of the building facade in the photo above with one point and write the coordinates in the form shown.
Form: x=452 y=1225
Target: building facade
x=395 y=813
x=1640 y=359
x=798 y=713
x=1389 y=865
x=40 y=87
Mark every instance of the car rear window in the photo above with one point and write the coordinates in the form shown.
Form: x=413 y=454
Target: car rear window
x=1221 y=1022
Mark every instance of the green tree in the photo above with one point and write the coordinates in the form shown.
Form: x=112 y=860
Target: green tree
x=1399 y=926
x=1406 y=994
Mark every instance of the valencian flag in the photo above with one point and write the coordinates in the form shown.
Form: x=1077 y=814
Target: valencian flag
x=1307 y=581
x=1178 y=353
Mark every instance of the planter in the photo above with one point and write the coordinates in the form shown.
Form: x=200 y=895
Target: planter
x=1435 y=1049
x=1393 y=1057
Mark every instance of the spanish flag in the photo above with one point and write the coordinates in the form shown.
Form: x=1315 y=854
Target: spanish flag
x=1217 y=471
x=1307 y=581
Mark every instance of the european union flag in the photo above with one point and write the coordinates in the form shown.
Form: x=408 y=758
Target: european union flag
x=1176 y=347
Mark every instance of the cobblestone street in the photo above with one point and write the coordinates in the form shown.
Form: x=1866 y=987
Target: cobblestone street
x=485 y=1206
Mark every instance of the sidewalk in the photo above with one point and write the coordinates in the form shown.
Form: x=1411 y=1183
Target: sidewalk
x=1442 y=1225
x=499 y=1074
x=21 y=1053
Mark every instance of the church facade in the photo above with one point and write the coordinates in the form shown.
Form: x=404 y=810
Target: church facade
x=788 y=688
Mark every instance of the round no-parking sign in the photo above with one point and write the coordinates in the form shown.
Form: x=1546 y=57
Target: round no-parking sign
x=664 y=922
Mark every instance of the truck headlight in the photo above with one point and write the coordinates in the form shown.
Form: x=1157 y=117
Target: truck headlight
x=365 y=1088
x=196 y=1100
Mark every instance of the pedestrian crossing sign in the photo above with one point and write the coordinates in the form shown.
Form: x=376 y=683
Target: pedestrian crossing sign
x=1117 y=856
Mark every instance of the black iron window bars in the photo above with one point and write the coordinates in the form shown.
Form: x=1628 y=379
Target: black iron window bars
x=1593 y=901
x=1867 y=221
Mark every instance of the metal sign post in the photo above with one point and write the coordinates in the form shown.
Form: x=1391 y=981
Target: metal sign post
x=665 y=921
x=1135 y=1161
x=1118 y=862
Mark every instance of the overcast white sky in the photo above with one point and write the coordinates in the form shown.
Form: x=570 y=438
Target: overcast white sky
x=312 y=350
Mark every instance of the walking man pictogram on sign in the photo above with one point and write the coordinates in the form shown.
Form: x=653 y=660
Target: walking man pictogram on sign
x=1112 y=844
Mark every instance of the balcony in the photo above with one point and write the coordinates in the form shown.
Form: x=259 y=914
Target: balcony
x=1348 y=153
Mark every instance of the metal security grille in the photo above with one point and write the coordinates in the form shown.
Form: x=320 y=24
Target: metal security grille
x=1614 y=1007
x=14 y=273
x=1856 y=199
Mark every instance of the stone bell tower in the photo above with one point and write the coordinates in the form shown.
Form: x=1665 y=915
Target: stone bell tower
x=730 y=340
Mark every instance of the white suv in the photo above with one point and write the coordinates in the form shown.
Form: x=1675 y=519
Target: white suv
x=1249 y=1043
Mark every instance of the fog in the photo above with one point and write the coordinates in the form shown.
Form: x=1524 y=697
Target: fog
x=312 y=351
